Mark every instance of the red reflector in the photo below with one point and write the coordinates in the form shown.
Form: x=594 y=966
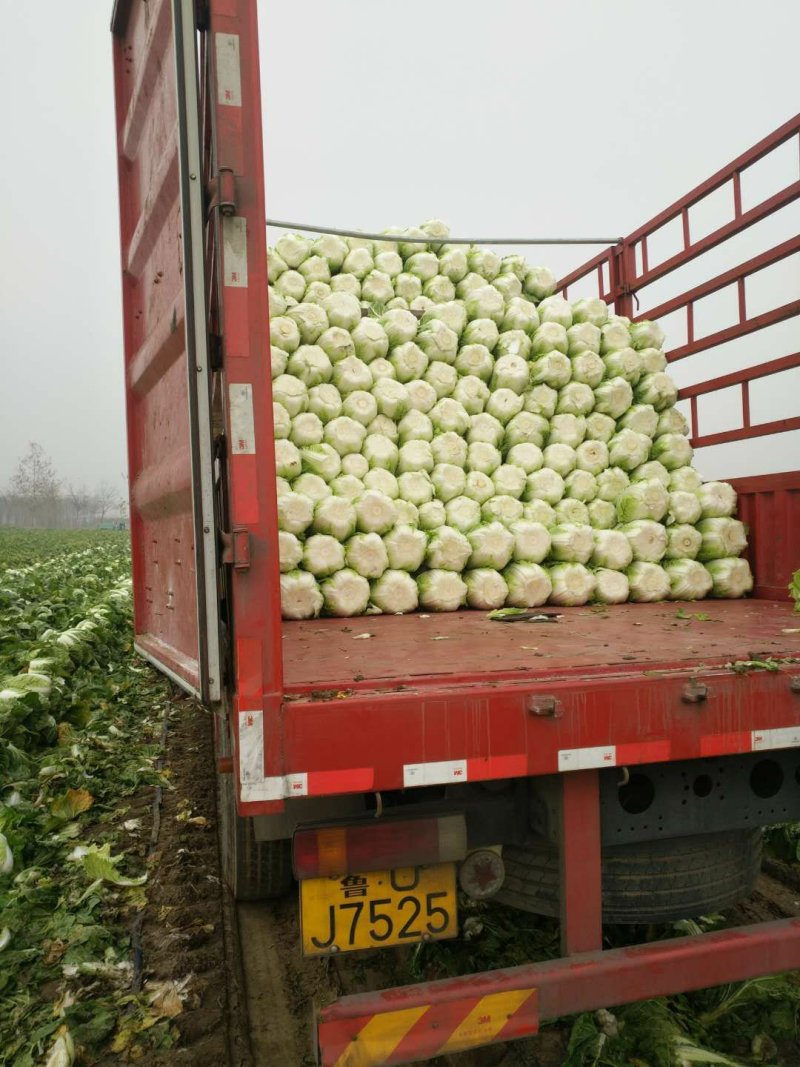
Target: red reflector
x=376 y=846
x=482 y=874
x=305 y=858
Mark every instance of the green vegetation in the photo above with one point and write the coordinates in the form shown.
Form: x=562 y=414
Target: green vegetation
x=794 y=590
x=25 y=548
x=80 y=720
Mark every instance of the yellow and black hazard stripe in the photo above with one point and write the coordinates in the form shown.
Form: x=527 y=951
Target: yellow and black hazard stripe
x=422 y=1031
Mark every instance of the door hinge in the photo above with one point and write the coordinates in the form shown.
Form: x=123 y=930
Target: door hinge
x=221 y=192
x=236 y=548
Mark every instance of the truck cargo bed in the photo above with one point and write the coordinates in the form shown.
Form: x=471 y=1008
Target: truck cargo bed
x=467 y=647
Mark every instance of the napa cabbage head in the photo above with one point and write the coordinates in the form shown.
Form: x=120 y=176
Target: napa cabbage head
x=730 y=577
x=486 y=588
x=572 y=584
x=441 y=590
x=688 y=579
x=529 y=585
x=611 y=587
x=345 y=593
x=395 y=593
x=300 y=595
x=648 y=582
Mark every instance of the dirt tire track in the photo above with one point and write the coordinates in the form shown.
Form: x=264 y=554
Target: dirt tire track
x=279 y=1031
x=284 y=988
x=189 y=923
x=772 y=899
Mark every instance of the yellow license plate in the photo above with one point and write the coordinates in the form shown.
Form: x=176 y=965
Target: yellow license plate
x=378 y=909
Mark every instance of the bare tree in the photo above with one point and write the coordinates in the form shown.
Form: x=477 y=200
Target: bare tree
x=104 y=498
x=37 y=487
x=7 y=509
x=81 y=500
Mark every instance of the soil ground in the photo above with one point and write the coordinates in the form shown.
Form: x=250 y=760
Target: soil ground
x=283 y=988
x=187 y=929
x=252 y=993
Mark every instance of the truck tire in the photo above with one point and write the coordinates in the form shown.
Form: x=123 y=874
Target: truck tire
x=648 y=882
x=254 y=870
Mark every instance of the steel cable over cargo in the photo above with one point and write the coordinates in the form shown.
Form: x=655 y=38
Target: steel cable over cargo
x=307 y=227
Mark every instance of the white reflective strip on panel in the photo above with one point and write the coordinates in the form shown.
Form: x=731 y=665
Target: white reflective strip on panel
x=266 y=789
x=234 y=251
x=295 y=785
x=584 y=759
x=243 y=433
x=276 y=788
x=254 y=786
x=229 y=70
x=251 y=747
x=435 y=773
x=782 y=737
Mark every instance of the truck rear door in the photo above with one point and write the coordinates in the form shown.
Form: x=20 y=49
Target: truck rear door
x=196 y=338
x=166 y=358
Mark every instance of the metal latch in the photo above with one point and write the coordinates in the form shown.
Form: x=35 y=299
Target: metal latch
x=544 y=706
x=694 y=692
x=222 y=192
x=236 y=548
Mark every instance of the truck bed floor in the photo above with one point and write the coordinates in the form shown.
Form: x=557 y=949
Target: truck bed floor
x=466 y=646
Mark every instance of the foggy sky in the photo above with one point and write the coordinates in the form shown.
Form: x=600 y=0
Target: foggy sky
x=500 y=117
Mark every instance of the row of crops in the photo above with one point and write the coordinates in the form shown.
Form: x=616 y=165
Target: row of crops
x=22 y=549
x=78 y=718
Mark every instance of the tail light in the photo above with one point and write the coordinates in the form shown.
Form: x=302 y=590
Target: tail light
x=382 y=844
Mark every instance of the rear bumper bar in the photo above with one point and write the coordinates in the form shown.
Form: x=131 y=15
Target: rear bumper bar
x=415 y=1023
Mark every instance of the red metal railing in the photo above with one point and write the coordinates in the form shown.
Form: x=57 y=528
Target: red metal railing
x=742 y=378
x=624 y=271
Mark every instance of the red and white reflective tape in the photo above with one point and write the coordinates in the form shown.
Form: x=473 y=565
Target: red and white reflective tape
x=750 y=741
x=309 y=784
x=446 y=772
x=584 y=759
x=781 y=737
x=581 y=759
x=229 y=94
x=229 y=70
x=256 y=786
x=242 y=419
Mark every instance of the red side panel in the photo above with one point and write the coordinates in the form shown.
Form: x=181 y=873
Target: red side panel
x=770 y=506
x=158 y=410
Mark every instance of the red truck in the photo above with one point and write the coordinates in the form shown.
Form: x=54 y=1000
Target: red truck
x=623 y=774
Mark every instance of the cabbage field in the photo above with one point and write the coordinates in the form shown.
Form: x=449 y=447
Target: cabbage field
x=77 y=721
x=450 y=432
x=46 y=637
